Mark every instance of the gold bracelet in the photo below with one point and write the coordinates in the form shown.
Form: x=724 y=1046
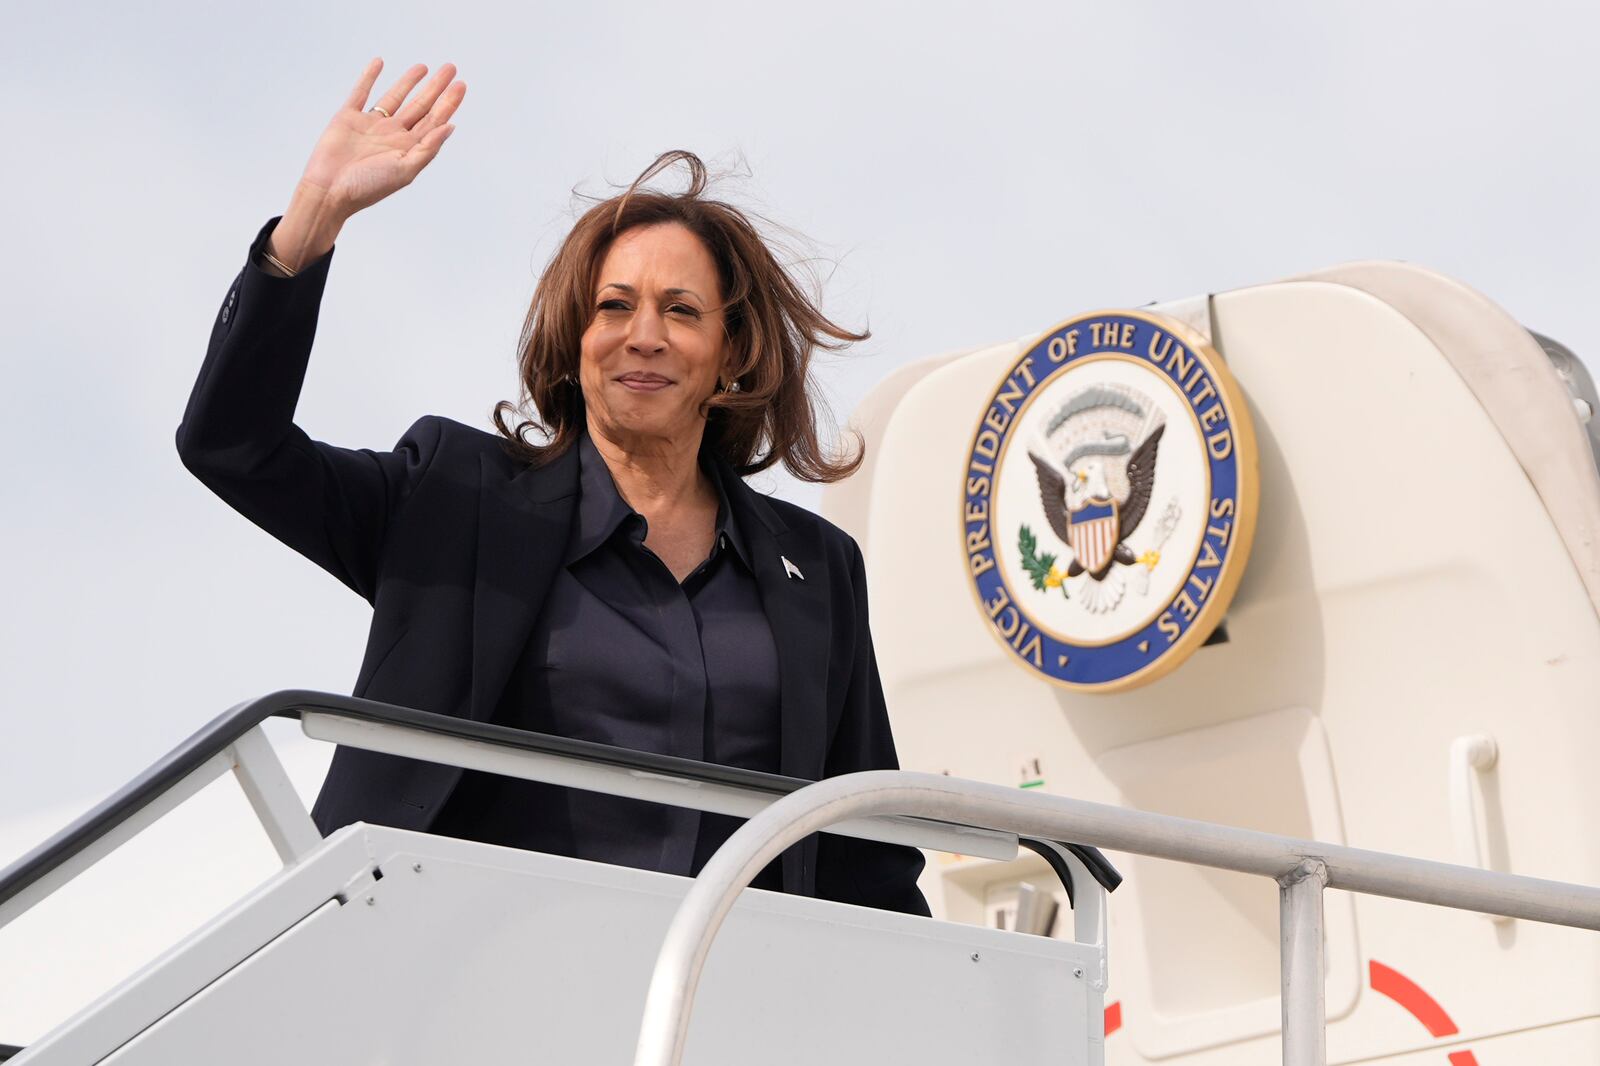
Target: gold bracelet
x=276 y=262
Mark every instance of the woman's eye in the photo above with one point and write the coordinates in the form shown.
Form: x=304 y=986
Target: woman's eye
x=613 y=305
x=684 y=309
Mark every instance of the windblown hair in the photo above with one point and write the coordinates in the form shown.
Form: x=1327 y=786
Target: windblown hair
x=773 y=329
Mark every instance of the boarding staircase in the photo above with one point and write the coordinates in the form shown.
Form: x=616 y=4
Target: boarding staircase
x=380 y=945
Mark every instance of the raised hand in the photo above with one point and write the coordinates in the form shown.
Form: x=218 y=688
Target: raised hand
x=362 y=156
x=365 y=155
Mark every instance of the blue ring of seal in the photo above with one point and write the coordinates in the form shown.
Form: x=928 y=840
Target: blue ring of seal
x=1107 y=665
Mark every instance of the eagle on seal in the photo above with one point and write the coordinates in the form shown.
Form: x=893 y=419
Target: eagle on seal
x=1095 y=498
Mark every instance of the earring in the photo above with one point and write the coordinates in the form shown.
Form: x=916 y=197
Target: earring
x=727 y=386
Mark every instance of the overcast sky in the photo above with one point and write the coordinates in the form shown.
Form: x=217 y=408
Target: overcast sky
x=971 y=178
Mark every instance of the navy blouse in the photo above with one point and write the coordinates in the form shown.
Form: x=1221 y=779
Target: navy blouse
x=623 y=654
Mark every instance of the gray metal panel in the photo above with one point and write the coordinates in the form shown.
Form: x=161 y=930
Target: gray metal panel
x=489 y=954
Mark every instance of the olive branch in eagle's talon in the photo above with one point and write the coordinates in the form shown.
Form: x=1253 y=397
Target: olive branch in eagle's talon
x=1041 y=568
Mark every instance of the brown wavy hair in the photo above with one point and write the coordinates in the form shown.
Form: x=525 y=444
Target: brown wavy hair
x=773 y=328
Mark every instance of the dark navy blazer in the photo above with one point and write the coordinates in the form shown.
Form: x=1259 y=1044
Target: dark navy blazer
x=455 y=544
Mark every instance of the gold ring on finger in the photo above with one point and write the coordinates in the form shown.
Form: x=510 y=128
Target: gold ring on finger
x=380 y=111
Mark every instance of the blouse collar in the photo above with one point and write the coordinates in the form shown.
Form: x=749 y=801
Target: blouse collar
x=602 y=511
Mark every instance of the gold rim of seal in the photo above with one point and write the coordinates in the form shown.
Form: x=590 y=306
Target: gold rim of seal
x=1246 y=506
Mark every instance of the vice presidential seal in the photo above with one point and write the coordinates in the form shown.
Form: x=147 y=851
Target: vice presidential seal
x=1109 y=500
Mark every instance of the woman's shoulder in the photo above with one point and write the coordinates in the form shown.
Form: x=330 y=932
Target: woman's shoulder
x=797 y=517
x=443 y=450
x=442 y=440
x=811 y=527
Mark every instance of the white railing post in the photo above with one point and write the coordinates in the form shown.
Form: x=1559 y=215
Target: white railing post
x=272 y=796
x=1300 y=956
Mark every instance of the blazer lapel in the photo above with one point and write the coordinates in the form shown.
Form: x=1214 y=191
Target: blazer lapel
x=523 y=523
x=797 y=610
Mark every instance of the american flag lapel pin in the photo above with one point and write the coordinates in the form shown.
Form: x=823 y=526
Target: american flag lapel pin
x=792 y=570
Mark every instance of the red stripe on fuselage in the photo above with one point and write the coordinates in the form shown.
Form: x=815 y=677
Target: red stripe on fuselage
x=1405 y=992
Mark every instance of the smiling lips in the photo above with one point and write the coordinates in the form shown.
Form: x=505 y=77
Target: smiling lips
x=643 y=381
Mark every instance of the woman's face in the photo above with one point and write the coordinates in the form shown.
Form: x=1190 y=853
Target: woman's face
x=654 y=347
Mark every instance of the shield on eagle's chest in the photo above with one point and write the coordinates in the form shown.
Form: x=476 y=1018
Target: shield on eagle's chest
x=1092 y=533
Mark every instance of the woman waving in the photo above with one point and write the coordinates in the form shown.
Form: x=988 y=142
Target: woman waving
x=598 y=568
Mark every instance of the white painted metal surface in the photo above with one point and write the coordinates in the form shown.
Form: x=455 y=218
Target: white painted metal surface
x=1303 y=869
x=271 y=794
x=1423 y=570
x=465 y=952
x=294 y=950
x=340 y=866
x=679 y=970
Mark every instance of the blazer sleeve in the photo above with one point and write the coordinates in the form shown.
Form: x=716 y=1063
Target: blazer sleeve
x=333 y=505
x=864 y=871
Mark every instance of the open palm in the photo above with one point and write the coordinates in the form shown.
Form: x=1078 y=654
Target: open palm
x=364 y=156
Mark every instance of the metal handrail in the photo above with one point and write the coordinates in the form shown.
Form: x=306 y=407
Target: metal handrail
x=1302 y=868
x=230 y=729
